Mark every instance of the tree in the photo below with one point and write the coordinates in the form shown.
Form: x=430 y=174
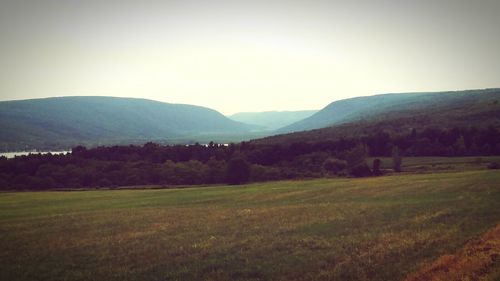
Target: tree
x=459 y=146
x=217 y=170
x=379 y=144
x=396 y=159
x=238 y=170
x=376 y=167
x=356 y=162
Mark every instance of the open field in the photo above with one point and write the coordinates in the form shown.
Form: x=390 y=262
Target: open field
x=436 y=164
x=380 y=228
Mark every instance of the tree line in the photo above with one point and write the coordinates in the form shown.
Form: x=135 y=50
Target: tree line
x=154 y=164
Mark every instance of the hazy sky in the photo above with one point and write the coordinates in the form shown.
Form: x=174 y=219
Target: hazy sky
x=246 y=55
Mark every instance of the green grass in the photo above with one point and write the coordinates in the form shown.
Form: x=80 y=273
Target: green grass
x=328 y=229
x=436 y=164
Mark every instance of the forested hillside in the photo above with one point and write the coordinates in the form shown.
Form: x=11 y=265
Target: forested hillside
x=469 y=103
x=69 y=121
x=419 y=112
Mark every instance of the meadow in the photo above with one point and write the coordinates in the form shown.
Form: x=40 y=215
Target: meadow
x=432 y=164
x=379 y=228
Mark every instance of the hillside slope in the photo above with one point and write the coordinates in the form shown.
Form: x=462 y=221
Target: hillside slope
x=360 y=108
x=104 y=120
x=272 y=120
x=398 y=113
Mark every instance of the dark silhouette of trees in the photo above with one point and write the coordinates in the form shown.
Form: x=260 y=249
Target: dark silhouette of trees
x=379 y=144
x=376 y=167
x=334 y=166
x=396 y=159
x=356 y=162
x=154 y=164
x=238 y=170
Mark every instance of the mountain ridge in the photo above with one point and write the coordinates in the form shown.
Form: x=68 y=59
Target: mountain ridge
x=356 y=108
x=471 y=108
x=105 y=120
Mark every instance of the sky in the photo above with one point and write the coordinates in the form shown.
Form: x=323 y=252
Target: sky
x=236 y=56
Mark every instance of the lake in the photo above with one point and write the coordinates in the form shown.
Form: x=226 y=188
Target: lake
x=20 y=153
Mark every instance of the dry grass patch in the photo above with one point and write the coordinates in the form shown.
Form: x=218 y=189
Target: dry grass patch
x=478 y=260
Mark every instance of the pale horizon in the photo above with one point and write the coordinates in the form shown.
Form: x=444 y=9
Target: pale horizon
x=235 y=56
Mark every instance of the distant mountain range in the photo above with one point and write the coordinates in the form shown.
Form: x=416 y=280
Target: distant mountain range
x=359 y=108
x=395 y=113
x=65 y=121
x=272 y=120
x=56 y=123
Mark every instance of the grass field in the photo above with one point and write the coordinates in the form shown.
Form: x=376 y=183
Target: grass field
x=438 y=164
x=477 y=260
x=380 y=228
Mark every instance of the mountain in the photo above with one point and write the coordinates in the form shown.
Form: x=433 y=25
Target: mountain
x=272 y=120
x=359 y=108
x=396 y=113
x=65 y=121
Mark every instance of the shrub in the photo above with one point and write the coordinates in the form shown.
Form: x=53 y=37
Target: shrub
x=334 y=165
x=264 y=173
x=361 y=170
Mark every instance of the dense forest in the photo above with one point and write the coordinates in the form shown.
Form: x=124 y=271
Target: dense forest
x=153 y=164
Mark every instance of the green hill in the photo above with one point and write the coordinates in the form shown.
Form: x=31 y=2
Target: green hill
x=272 y=120
x=66 y=121
x=396 y=113
x=360 y=108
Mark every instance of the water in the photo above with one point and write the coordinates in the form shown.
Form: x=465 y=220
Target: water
x=20 y=153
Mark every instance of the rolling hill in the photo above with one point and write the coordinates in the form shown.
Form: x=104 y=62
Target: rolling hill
x=395 y=113
x=362 y=108
x=272 y=120
x=66 y=121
